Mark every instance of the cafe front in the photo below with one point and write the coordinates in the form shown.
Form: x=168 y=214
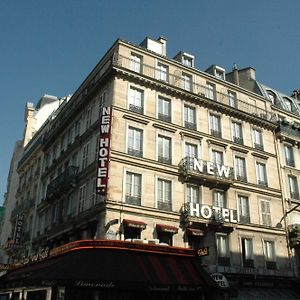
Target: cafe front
x=103 y=269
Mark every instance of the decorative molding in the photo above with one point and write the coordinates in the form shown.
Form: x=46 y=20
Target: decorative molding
x=163 y=127
x=135 y=118
x=239 y=149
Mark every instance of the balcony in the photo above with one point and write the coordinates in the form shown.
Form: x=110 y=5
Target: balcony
x=175 y=81
x=262 y=182
x=244 y=219
x=271 y=265
x=290 y=162
x=135 y=152
x=294 y=235
x=206 y=172
x=294 y=195
x=164 y=160
x=164 y=117
x=223 y=261
x=136 y=108
x=190 y=125
x=216 y=133
x=242 y=178
x=238 y=140
x=164 y=205
x=133 y=200
x=62 y=183
x=23 y=207
x=248 y=263
x=259 y=146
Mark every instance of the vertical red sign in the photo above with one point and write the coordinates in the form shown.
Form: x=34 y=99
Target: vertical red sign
x=104 y=151
x=19 y=229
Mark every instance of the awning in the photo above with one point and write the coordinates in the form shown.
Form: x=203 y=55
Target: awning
x=267 y=293
x=194 y=232
x=124 y=266
x=166 y=228
x=134 y=224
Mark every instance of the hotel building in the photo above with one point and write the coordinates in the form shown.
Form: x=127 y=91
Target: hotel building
x=151 y=149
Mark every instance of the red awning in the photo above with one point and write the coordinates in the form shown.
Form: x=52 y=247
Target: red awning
x=194 y=232
x=166 y=228
x=116 y=267
x=135 y=224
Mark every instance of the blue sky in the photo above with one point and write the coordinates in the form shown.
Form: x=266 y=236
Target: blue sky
x=49 y=47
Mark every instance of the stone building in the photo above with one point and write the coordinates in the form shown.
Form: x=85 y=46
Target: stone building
x=151 y=149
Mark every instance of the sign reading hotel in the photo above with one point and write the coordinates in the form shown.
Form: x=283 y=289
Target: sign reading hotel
x=104 y=151
x=19 y=229
x=212 y=212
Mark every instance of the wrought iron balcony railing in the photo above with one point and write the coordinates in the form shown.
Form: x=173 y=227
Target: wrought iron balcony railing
x=195 y=88
x=62 y=183
x=133 y=200
x=164 y=205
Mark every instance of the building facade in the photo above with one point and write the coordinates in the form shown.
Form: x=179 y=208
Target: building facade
x=151 y=149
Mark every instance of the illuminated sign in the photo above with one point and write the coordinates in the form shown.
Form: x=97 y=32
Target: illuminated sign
x=212 y=212
x=104 y=151
x=203 y=251
x=220 y=279
x=19 y=229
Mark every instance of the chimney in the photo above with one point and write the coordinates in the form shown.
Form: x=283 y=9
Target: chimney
x=296 y=94
x=163 y=42
x=235 y=71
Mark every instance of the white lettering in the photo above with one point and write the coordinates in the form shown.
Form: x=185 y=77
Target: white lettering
x=99 y=183
x=104 y=128
x=102 y=161
x=210 y=168
x=103 y=142
x=198 y=165
x=103 y=152
x=105 y=119
x=225 y=214
x=102 y=172
x=194 y=209
x=106 y=110
x=206 y=212
x=232 y=219
x=223 y=170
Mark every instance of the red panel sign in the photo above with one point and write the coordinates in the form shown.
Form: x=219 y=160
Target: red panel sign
x=19 y=229
x=104 y=151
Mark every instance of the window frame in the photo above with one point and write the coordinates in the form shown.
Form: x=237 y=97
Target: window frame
x=132 y=149
x=130 y=196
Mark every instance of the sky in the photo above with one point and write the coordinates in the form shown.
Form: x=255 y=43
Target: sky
x=49 y=47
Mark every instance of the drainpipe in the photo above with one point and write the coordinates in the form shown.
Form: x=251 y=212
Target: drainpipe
x=282 y=188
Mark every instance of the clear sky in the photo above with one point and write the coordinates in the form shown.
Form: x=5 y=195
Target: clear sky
x=49 y=47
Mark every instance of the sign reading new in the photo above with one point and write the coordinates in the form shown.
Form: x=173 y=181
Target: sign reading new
x=104 y=151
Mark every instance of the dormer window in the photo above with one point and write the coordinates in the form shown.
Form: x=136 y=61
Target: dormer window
x=272 y=97
x=220 y=73
x=185 y=58
x=288 y=104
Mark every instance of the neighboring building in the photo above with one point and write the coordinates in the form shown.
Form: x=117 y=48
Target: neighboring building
x=17 y=199
x=151 y=149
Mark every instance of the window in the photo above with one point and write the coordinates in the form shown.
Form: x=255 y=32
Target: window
x=223 y=250
x=102 y=102
x=89 y=115
x=190 y=117
x=191 y=150
x=164 y=109
x=215 y=125
x=135 y=63
x=220 y=74
x=288 y=104
x=272 y=97
x=164 y=149
x=210 y=91
x=219 y=199
x=265 y=212
x=85 y=154
x=289 y=155
x=77 y=128
x=247 y=252
x=192 y=193
x=133 y=188
x=135 y=142
x=244 y=211
x=232 y=99
x=240 y=168
x=164 y=194
x=186 y=82
x=165 y=237
x=293 y=185
x=217 y=157
x=187 y=61
x=162 y=72
x=132 y=232
x=261 y=171
x=237 y=133
x=136 y=100
x=97 y=147
x=270 y=256
x=82 y=197
x=258 y=139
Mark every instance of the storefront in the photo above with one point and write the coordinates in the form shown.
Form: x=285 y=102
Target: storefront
x=95 y=269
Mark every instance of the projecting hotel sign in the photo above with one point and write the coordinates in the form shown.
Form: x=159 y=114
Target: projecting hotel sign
x=212 y=212
x=104 y=151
